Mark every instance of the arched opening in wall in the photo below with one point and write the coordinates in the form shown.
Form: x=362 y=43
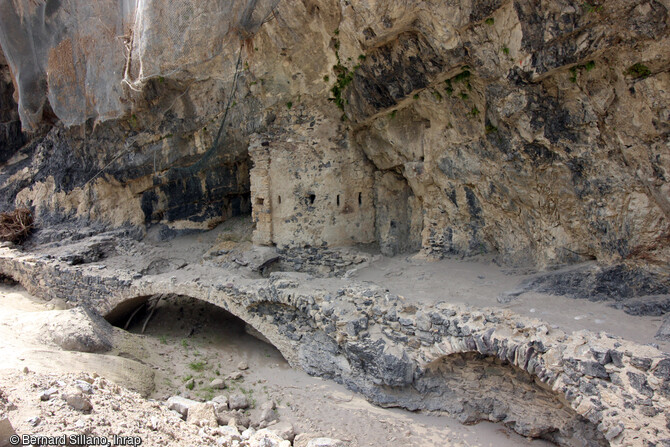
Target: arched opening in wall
x=338 y=200
x=311 y=198
x=187 y=338
x=475 y=387
x=6 y=280
x=279 y=200
x=360 y=198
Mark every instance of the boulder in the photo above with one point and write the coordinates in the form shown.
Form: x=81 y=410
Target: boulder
x=267 y=438
x=180 y=404
x=227 y=417
x=79 y=402
x=202 y=415
x=284 y=430
x=220 y=402
x=238 y=402
x=218 y=384
x=79 y=330
x=264 y=415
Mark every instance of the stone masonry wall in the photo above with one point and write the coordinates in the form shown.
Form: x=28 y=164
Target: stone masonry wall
x=605 y=390
x=307 y=190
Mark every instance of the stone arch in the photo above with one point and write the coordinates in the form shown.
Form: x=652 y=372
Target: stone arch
x=476 y=387
x=123 y=305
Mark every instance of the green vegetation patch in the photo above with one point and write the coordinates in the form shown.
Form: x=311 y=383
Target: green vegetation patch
x=589 y=8
x=197 y=366
x=463 y=78
x=574 y=71
x=638 y=71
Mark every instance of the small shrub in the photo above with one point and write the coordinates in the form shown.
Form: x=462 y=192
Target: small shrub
x=416 y=96
x=450 y=87
x=474 y=112
x=505 y=51
x=589 y=8
x=197 y=366
x=16 y=225
x=490 y=128
x=638 y=70
x=289 y=105
x=489 y=21
x=464 y=96
x=590 y=65
x=462 y=76
x=573 y=74
x=207 y=393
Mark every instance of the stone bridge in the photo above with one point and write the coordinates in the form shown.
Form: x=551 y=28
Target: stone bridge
x=475 y=364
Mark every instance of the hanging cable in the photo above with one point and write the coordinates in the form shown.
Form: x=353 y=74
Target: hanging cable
x=178 y=172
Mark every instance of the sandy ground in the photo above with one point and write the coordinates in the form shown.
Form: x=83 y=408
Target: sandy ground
x=479 y=283
x=191 y=339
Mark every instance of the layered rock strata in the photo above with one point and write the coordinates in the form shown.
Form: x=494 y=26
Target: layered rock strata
x=536 y=131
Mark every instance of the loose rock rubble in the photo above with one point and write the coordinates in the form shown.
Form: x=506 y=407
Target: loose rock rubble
x=105 y=410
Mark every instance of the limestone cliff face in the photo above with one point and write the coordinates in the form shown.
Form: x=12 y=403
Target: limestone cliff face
x=537 y=130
